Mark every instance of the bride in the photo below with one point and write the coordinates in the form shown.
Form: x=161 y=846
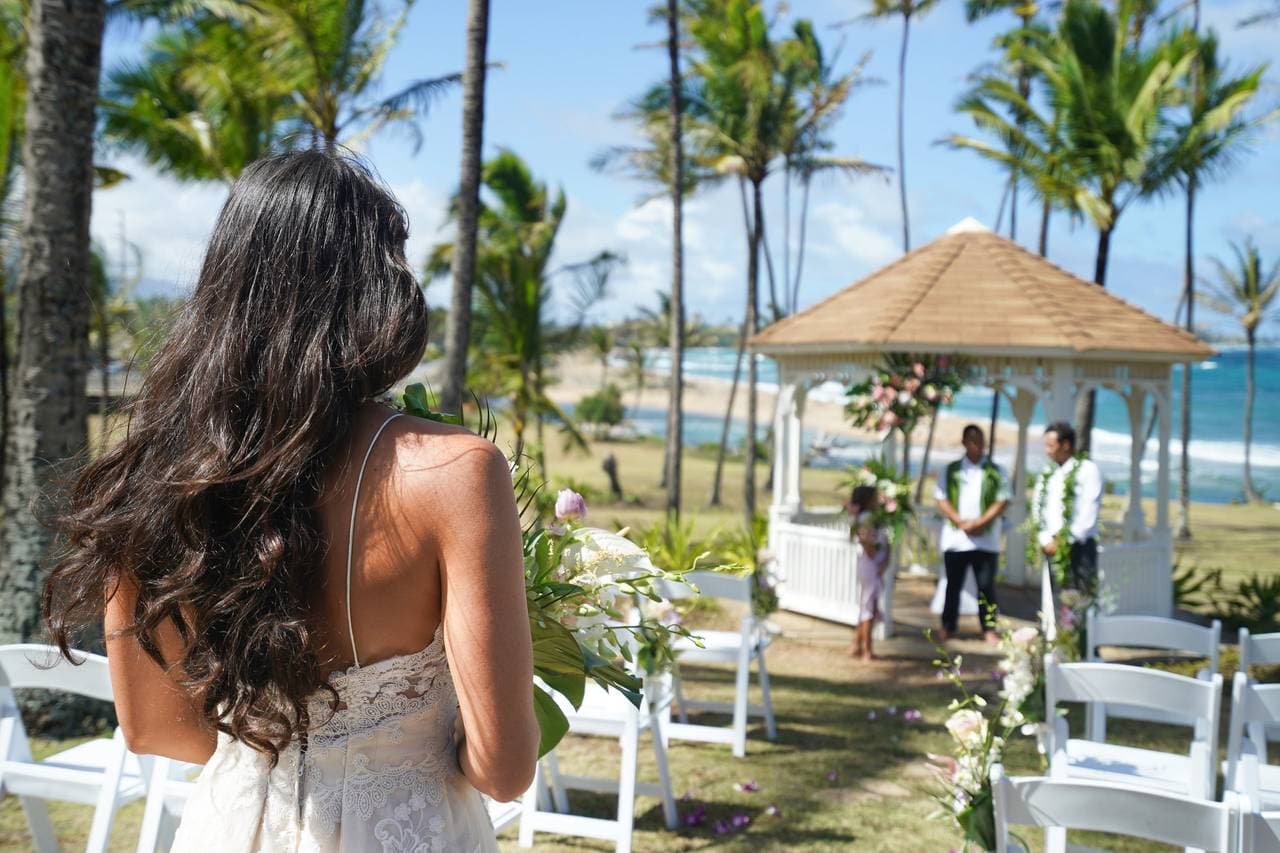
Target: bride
x=319 y=600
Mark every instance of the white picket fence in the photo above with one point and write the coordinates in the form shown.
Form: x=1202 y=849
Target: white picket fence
x=817 y=567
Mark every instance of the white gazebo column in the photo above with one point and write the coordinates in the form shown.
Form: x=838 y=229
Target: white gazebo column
x=1164 y=401
x=782 y=426
x=1135 y=523
x=1023 y=404
x=1061 y=405
x=794 y=449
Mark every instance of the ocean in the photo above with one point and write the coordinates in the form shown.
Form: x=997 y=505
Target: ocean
x=1217 y=446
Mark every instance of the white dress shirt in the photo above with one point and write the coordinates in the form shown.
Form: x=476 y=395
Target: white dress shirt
x=1084 y=525
x=968 y=507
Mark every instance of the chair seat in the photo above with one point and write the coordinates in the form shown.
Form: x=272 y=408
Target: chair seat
x=1268 y=794
x=73 y=774
x=717 y=646
x=1127 y=765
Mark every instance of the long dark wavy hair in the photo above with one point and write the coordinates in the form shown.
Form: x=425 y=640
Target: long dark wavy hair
x=305 y=308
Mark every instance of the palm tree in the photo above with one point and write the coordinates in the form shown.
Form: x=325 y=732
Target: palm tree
x=601 y=340
x=907 y=9
x=457 y=336
x=48 y=407
x=232 y=81
x=671 y=472
x=1115 y=94
x=1210 y=139
x=637 y=361
x=515 y=243
x=12 y=103
x=1251 y=296
x=1026 y=12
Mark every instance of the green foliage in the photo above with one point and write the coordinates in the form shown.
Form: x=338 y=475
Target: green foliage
x=603 y=407
x=1194 y=587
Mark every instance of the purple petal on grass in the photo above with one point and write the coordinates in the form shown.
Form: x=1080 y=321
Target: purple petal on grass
x=695 y=816
x=912 y=715
x=721 y=828
x=746 y=787
x=832 y=776
x=739 y=820
x=891 y=710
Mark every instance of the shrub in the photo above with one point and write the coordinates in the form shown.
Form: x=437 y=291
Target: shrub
x=603 y=408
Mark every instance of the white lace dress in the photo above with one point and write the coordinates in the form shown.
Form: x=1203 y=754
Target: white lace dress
x=380 y=774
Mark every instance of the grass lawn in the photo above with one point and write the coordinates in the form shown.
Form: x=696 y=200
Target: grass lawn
x=880 y=797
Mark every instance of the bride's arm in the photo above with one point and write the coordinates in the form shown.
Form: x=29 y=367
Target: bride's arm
x=156 y=713
x=486 y=621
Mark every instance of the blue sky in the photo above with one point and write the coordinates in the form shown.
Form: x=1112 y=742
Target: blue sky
x=570 y=65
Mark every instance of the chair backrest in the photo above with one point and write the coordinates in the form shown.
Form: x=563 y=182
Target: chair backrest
x=1258 y=649
x=1260 y=832
x=1254 y=707
x=715 y=585
x=1188 y=698
x=1101 y=807
x=1154 y=632
x=32 y=665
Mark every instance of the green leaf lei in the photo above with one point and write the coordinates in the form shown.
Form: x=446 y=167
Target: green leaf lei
x=1060 y=560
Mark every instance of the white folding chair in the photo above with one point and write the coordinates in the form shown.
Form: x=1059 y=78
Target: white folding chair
x=1255 y=710
x=1259 y=831
x=1190 y=701
x=1057 y=805
x=1258 y=649
x=604 y=713
x=1145 y=632
x=741 y=648
x=169 y=786
x=101 y=772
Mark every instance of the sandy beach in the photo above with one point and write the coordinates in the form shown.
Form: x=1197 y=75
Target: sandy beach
x=578 y=374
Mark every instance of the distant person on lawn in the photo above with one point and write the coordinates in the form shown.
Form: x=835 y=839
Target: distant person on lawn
x=1068 y=470
x=971 y=494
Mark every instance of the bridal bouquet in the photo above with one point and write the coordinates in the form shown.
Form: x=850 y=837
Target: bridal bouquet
x=580 y=582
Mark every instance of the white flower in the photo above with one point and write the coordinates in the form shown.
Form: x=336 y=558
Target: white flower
x=1025 y=636
x=968 y=727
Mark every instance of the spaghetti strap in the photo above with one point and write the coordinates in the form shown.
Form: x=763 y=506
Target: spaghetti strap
x=351 y=533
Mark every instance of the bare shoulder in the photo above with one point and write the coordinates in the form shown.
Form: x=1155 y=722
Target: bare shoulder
x=447 y=460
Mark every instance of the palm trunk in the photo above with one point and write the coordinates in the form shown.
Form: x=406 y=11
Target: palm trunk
x=1189 y=300
x=753 y=280
x=1250 y=493
x=458 y=333
x=789 y=307
x=902 y=157
x=1045 y=210
x=675 y=401
x=995 y=419
x=1087 y=402
x=775 y=309
x=48 y=408
x=718 y=477
x=928 y=448
x=4 y=372
x=804 y=222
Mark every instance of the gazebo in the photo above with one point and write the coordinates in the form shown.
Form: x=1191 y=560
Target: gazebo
x=1033 y=333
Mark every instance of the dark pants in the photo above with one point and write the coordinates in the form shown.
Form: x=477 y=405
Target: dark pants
x=984 y=565
x=1082 y=573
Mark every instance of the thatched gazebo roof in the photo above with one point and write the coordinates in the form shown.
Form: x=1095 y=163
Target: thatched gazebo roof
x=976 y=292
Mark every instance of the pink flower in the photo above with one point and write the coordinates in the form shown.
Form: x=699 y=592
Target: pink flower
x=943 y=765
x=569 y=504
x=942 y=362
x=913 y=385
x=918 y=369
x=1066 y=617
x=912 y=715
x=891 y=419
x=891 y=505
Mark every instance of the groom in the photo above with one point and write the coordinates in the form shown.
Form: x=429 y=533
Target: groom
x=971 y=494
x=1067 y=501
